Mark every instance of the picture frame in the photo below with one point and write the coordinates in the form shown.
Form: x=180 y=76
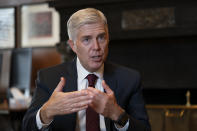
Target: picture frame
x=7 y=28
x=40 y=26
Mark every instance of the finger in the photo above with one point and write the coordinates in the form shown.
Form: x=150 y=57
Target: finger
x=80 y=104
x=95 y=94
x=106 y=87
x=79 y=109
x=79 y=99
x=60 y=85
x=72 y=110
x=76 y=94
x=93 y=90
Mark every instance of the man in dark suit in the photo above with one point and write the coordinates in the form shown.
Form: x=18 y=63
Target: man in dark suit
x=87 y=94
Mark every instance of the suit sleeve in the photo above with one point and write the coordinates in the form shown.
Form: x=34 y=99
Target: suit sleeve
x=138 y=120
x=131 y=100
x=41 y=95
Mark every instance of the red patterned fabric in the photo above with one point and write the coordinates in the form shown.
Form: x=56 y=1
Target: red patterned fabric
x=92 y=118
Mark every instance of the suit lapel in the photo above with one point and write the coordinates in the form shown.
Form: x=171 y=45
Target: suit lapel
x=110 y=80
x=71 y=85
x=109 y=77
x=71 y=77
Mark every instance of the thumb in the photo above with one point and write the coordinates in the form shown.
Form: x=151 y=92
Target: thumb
x=60 y=85
x=106 y=87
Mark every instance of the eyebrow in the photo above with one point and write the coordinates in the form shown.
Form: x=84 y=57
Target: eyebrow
x=89 y=36
x=102 y=34
x=86 y=36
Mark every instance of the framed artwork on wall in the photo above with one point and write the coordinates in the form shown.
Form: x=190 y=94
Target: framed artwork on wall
x=40 y=26
x=7 y=28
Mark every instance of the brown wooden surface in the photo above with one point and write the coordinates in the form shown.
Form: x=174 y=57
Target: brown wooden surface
x=42 y=58
x=4 y=105
x=13 y=3
x=171 y=107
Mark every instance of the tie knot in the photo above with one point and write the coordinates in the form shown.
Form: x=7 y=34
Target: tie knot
x=91 y=80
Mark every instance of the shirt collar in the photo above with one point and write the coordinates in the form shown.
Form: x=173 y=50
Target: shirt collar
x=82 y=72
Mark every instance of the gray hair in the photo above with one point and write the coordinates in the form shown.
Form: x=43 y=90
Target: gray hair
x=82 y=17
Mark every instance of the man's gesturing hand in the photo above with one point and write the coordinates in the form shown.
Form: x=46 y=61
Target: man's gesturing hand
x=61 y=103
x=105 y=103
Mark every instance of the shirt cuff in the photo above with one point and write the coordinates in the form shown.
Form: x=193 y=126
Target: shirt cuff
x=124 y=128
x=39 y=123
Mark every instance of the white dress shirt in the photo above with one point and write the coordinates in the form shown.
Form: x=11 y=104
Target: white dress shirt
x=83 y=84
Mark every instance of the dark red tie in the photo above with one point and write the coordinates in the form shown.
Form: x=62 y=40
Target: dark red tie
x=92 y=117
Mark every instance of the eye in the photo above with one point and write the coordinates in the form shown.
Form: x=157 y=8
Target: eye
x=101 y=38
x=86 y=40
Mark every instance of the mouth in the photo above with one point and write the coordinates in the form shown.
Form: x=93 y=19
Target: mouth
x=97 y=58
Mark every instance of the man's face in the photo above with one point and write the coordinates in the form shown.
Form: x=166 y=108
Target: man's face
x=91 y=45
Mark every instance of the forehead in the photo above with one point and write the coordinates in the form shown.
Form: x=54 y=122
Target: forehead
x=92 y=29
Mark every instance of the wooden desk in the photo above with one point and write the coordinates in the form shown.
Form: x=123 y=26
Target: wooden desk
x=11 y=118
x=4 y=107
x=172 y=117
x=171 y=107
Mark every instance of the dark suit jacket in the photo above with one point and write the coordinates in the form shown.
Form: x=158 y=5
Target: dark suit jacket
x=123 y=81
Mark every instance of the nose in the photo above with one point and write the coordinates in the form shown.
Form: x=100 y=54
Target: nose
x=96 y=45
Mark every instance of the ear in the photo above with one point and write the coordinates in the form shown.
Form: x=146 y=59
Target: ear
x=72 y=45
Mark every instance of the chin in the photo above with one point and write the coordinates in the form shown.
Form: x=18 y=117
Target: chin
x=96 y=66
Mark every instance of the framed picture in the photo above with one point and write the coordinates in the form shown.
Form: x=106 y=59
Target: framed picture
x=40 y=26
x=7 y=28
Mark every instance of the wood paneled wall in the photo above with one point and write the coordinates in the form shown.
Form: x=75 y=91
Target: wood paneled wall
x=11 y=3
x=42 y=58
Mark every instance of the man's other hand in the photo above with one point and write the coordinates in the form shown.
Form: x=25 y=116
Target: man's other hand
x=105 y=103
